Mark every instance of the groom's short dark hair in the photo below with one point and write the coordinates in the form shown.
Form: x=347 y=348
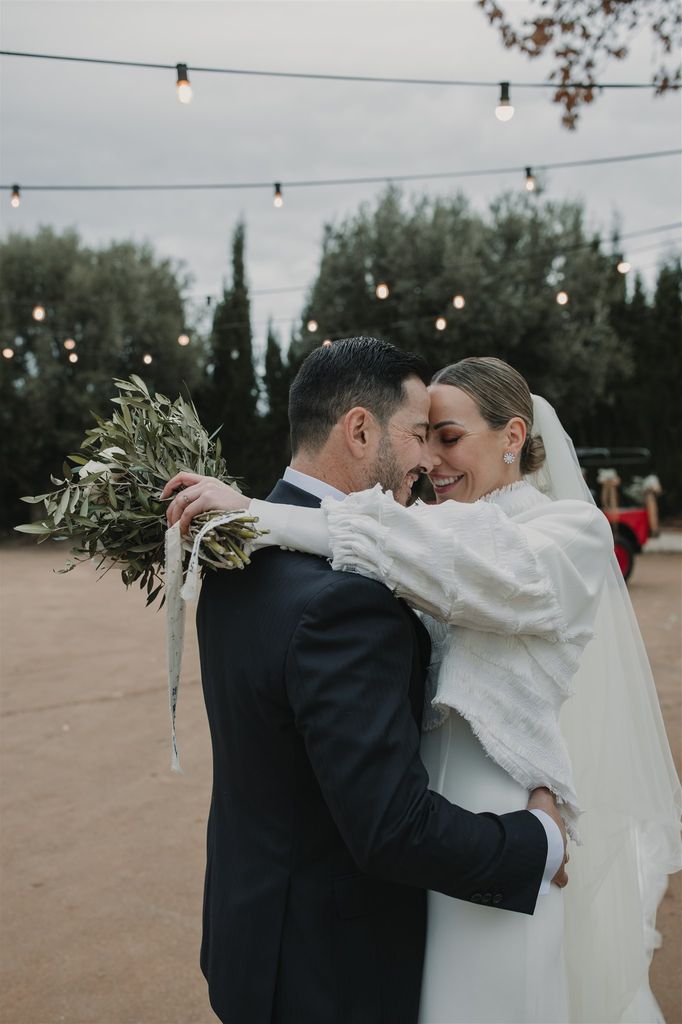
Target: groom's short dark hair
x=352 y=372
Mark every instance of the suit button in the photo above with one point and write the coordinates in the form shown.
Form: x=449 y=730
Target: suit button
x=487 y=897
x=477 y=898
x=497 y=898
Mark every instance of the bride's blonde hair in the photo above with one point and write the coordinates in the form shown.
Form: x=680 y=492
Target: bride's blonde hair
x=500 y=392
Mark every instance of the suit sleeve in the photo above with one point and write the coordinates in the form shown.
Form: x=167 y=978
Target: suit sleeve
x=347 y=672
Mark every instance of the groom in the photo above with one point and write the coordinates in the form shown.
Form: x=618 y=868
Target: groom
x=322 y=834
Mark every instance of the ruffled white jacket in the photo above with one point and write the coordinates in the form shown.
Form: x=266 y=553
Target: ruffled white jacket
x=511 y=584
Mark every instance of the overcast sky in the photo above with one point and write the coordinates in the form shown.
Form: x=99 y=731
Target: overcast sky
x=71 y=123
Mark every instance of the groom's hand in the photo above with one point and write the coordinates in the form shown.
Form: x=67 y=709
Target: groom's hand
x=196 y=494
x=542 y=799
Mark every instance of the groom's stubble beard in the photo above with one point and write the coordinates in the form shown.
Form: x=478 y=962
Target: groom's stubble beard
x=387 y=471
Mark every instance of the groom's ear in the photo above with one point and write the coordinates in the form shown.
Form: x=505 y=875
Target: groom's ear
x=360 y=431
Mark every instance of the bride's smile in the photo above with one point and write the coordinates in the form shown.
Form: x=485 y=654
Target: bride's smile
x=468 y=454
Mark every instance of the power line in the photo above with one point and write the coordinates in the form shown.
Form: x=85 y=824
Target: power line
x=367 y=180
x=326 y=76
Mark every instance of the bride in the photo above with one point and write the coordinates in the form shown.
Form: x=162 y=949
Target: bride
x=509 y=572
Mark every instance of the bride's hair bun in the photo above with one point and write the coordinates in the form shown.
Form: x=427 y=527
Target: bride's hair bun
x=532 y=454
x=501 y=393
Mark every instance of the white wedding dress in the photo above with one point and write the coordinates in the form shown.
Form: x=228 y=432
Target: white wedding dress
x=482 y=965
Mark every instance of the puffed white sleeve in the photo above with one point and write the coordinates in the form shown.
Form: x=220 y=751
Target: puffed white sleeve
x=539 y=574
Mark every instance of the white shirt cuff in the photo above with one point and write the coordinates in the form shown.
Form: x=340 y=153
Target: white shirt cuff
x=555 y=849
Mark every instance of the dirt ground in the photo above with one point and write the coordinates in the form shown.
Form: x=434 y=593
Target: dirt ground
x=102 y=847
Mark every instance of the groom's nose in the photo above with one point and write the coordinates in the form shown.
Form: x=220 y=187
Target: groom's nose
x=426 y=461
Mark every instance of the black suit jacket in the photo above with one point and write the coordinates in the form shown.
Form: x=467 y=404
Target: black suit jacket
x=323 y=835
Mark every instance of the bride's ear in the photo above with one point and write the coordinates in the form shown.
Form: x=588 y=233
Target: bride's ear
x=515 y=433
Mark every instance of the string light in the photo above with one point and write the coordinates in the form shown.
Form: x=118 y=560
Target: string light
x=458 y=302
x=73 y=358
x=183 y=339
x=38 y=313
x=69 y=344
x=326 y=77
x=327 y=343
x=8 y=352
x=182 y=84
x=16 y=196
x=382 y=291
x=146 y=359
x=312 y=326
x=365 y=180
x=562 y=298
x=623 y=267
x=531 y=182
x=278 y=199
x=441 y=323
x=504 y=110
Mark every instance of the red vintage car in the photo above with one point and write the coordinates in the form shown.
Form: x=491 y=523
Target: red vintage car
x=630 y=522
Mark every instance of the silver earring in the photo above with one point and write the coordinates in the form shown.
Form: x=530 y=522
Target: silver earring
x=509 y=458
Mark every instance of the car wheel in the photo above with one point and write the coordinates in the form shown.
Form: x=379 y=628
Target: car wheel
x=625 y=553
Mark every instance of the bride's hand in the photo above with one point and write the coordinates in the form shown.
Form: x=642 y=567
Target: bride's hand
x=199 y=494
x=542 y=799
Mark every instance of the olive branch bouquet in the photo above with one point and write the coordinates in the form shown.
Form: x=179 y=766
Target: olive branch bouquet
x=108 y=500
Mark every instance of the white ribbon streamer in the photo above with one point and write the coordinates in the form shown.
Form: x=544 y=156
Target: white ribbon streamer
x=175 y=629
x=176 y=596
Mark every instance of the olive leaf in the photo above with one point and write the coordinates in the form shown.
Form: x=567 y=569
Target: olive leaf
x=108 y=503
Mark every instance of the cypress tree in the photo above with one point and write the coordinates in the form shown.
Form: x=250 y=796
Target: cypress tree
x=232 y=392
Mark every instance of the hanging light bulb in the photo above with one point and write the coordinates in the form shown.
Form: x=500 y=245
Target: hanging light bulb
x=312 y=326
x=73 y=358
x=382 y=291
x=562 y=298
x=183 y=339
x=458 y=302
x=182 y=84
x=623 y=267
x=531 y=182
x=278 y=199
x=16 y=196
x=69 y=344
x=441 y=323
x=504 y=110
x=327 y=343
x=146 y=359
x=8 y=352
x=38 y=313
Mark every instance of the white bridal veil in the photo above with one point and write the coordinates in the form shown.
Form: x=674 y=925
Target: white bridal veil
x=626 y=783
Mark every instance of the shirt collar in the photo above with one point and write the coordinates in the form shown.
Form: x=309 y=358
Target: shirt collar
x=311 y=484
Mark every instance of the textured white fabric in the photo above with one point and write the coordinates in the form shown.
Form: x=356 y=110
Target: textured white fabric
x=518 y=577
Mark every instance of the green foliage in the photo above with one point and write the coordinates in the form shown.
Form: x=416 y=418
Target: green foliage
x=117 y=304
x=229 y=399
x=109 y=505
x=273 y=435
x=509 y=267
